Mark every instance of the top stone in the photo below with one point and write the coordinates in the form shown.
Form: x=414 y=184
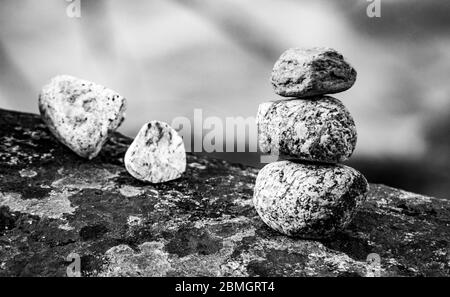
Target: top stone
x=314 y=71
x=81 y=114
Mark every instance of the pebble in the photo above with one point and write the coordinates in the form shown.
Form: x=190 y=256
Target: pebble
x=80 y=113
x=27 y=173
x=308 y=200
x=313 y=71
x=157 y=154
x=319 y=129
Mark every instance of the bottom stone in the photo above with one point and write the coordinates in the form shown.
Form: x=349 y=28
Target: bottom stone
x=308 y=200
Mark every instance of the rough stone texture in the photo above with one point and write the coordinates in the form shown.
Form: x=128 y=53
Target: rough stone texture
x=308 y=200
x=319 y=129
x=201 y=224
x=81 y=114
x=157 y=154
x=312 y=71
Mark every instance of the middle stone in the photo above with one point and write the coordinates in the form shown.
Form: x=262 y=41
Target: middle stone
x=318 y=129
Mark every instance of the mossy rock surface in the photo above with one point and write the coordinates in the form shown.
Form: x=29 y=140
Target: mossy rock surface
x=54 y=203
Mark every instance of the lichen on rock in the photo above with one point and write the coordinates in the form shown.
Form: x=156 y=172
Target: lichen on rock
x=202 y=224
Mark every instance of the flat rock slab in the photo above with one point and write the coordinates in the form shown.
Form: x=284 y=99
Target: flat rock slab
x=54 y=203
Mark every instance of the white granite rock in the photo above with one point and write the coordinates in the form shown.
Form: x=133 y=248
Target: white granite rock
x=157 y=154
x=81 y=114
x=312 y=71
x=317 y=129
x=308 y=200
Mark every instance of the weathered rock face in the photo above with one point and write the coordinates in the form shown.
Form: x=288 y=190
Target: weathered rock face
x=157 y=154
x=308 y=200
x=54 y=203
x=319 y=129
x=312 y=71
x=81 y=114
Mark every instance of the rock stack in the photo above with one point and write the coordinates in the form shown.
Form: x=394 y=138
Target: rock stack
x=308 y=194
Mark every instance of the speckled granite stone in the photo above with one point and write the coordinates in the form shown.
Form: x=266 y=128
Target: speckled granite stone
x=319 y=129
x=308 y=200
x=157 y=154
x=312 y=71
x=53 y=204
x=81 y=114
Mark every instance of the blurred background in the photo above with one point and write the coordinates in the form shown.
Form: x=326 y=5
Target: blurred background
x=169 y=57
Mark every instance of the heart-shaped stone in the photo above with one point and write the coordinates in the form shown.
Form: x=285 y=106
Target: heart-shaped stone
x=157 y=154
x=80 y=113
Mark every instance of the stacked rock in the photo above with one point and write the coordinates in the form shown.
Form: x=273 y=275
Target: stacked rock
x=308 y=194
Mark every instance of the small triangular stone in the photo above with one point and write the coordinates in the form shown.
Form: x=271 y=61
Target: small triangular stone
x=80 y=113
